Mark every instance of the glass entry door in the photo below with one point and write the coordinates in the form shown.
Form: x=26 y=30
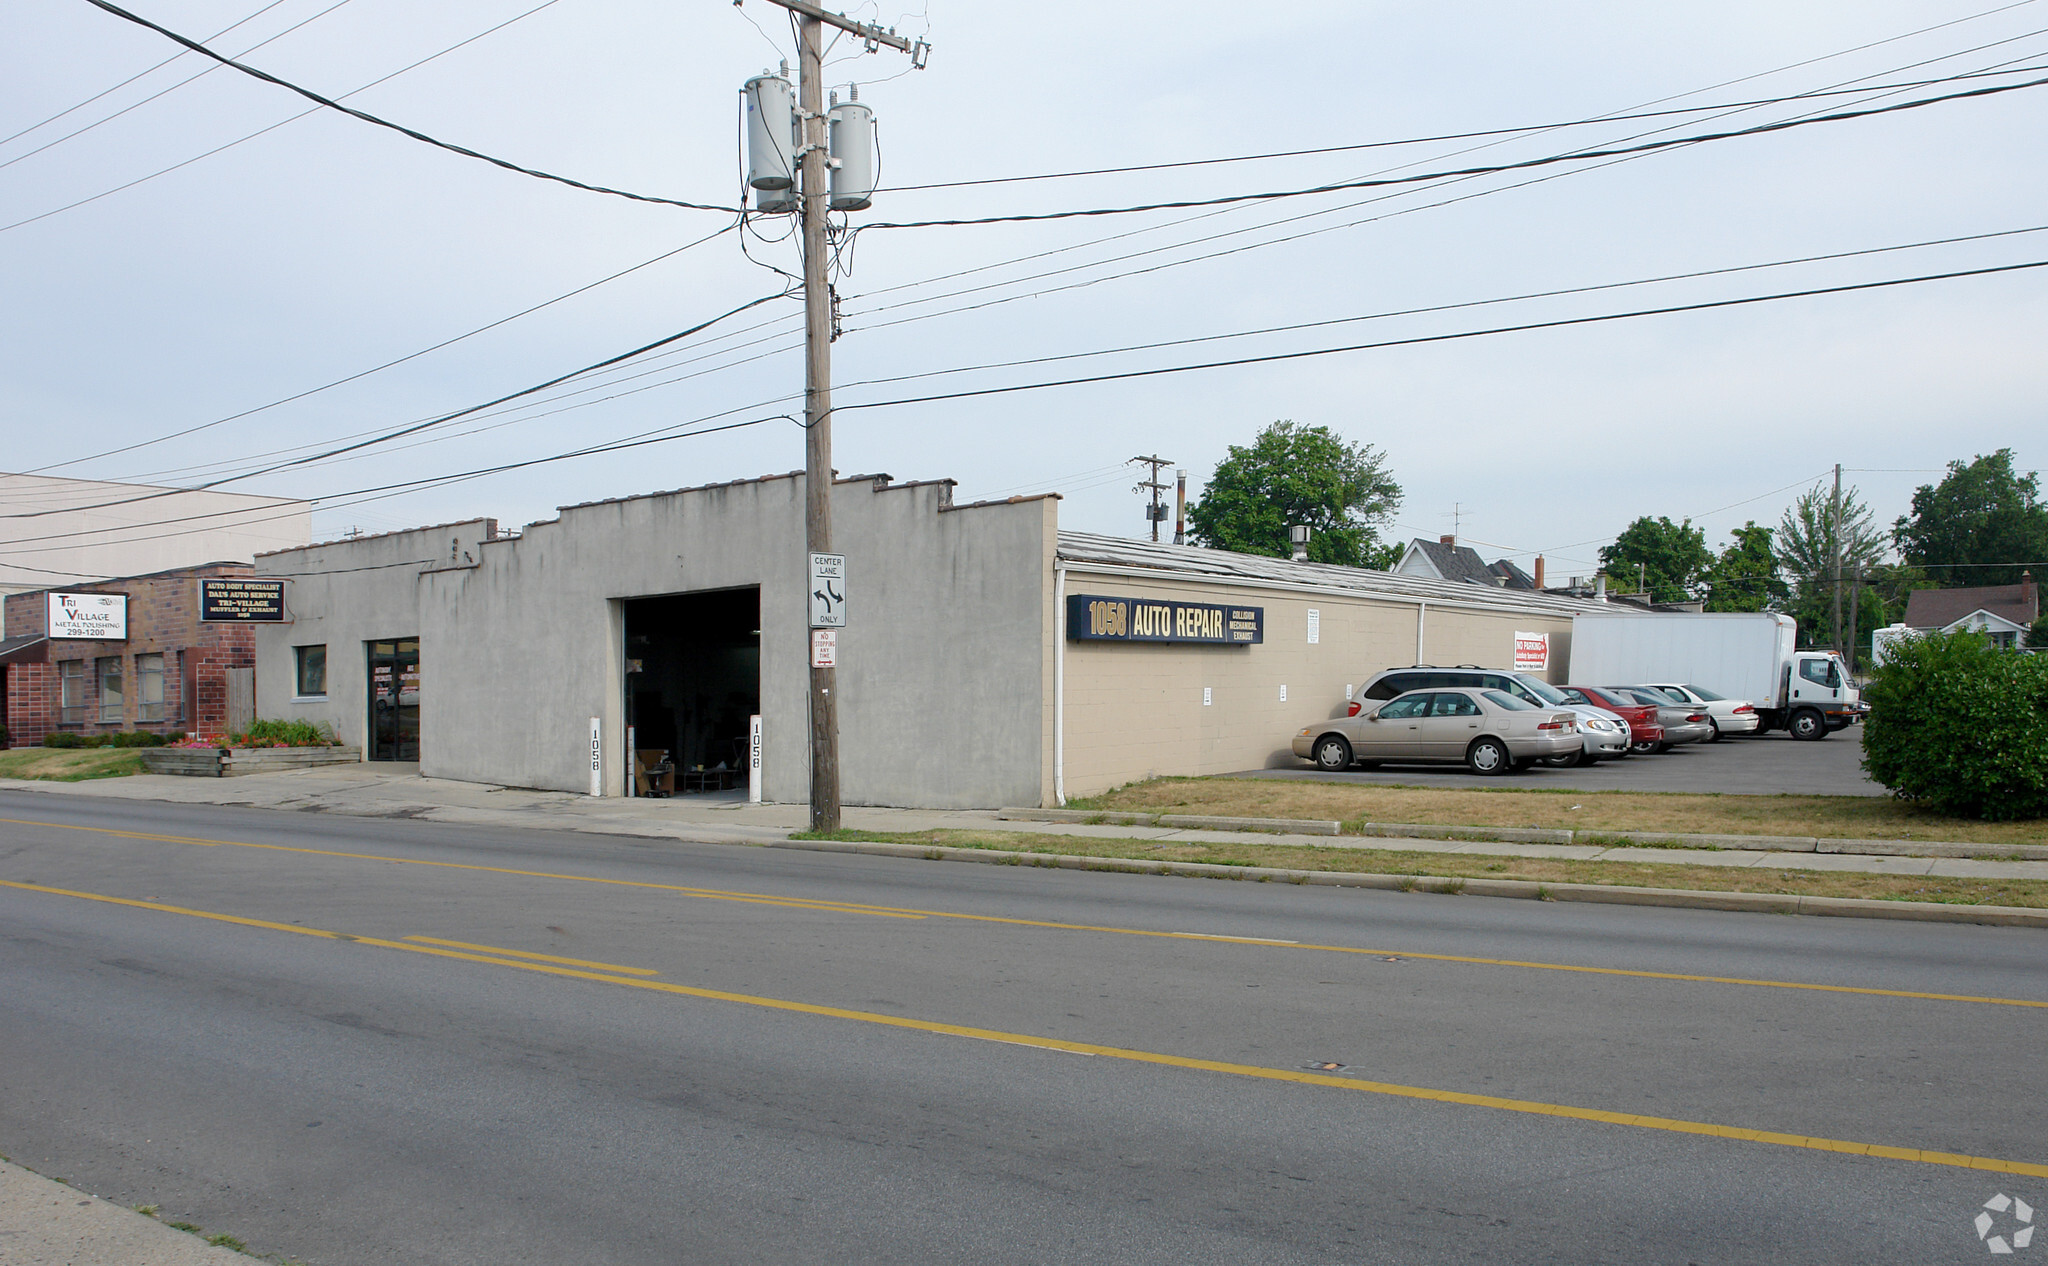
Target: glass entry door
x=395 y=699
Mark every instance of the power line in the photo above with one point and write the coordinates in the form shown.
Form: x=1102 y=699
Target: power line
x=173 y=88
x=417 y=426
x=263 y=131
x=1450 y=337
x=1453 y=136
x=140 y=74
x=1447 y=307
x=1488 y=170
x=450 y=342
x=402 y=130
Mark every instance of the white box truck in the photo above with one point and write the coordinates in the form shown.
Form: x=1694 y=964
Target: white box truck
x=1742 y=656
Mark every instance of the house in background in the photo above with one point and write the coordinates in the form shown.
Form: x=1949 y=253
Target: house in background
x=2000 y=612
x=1445 y=559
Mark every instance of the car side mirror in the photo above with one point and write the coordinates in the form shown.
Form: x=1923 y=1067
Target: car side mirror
x=1373 y=715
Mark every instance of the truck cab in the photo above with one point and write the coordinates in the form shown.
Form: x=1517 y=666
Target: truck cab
x=1815 y=697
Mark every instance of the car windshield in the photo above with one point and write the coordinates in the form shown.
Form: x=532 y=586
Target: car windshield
x=1706 y=694
x=1503 y=699
x=1663 y=694
x=1542 y=689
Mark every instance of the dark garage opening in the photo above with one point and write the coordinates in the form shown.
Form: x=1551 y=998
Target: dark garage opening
x=693 y=678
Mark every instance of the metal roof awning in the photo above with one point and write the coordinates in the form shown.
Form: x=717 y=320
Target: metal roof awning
x=30 y=648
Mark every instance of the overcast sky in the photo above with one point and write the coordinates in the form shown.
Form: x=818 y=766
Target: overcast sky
x=326 y=247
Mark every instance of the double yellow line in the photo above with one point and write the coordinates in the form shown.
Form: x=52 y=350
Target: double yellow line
x=637 y=978
x=824 y=905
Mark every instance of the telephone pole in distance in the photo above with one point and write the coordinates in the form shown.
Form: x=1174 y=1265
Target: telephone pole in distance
x=1156 y=512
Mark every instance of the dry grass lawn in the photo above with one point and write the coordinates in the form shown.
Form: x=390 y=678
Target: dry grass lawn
x=1810 y=883
x=60 y=764
x=1837 y=817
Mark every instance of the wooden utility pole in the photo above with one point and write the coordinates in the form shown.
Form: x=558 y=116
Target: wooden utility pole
x=813 y=203
x=1156 y=512
x=1835 y=536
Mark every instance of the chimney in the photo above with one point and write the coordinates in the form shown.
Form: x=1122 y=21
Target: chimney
x=2029 y=601
x=1600 y=587
x=1539 y=573
x=1180 y=507
x=1447 y=540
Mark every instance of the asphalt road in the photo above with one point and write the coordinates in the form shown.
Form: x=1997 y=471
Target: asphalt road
x=1753 y=765
x=619 y=1050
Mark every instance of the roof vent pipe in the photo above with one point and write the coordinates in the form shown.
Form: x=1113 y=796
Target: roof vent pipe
x=1600 y=587
x=1299 y=534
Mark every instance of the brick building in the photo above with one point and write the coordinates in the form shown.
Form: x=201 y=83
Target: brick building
x=169 y=673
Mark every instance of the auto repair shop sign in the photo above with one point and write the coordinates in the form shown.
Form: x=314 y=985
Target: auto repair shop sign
x=1095 y=618
x=99 y=616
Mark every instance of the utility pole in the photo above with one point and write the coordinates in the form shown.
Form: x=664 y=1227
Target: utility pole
x=1156 y=512
x=1835 y=537
x=812 y=206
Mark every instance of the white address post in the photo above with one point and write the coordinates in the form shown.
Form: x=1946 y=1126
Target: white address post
x=596 y=757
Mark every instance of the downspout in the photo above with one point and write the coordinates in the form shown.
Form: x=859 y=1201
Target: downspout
x=1421 y=618
x=1059 y=685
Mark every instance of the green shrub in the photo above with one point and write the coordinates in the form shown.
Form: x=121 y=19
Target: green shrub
x=138 y=738
x=283 y=734
x=58 y=738
x=1961 y=727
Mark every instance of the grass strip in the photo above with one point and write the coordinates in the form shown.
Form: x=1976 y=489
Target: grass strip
x=1376 y=861
x=1832 y=817
x=61 y=764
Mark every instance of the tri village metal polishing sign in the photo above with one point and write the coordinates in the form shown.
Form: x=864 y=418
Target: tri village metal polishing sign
x=1097 y=618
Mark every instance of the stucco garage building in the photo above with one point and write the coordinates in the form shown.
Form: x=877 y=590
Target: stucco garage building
x=989 y=658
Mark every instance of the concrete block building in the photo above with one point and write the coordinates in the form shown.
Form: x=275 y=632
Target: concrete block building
x=989 y=658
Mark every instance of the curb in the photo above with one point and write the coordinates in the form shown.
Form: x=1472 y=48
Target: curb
x=1610 y=894
x=1545 y=835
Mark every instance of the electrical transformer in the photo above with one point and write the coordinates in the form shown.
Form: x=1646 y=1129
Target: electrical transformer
x=771 y=135
x=852 y=148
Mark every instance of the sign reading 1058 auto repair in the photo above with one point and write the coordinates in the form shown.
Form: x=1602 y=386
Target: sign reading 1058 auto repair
x=100 y=616
x=828 y=591
x=1096 y=618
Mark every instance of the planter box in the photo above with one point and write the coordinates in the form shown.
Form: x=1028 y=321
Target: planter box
x=196 y=762
x=207 y=762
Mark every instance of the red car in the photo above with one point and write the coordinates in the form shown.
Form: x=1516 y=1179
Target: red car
x=1645 y=734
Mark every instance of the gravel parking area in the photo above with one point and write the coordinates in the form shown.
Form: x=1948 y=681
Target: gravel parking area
x=1764 y=765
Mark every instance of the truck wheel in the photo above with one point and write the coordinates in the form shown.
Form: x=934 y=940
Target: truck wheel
x=1332 y=752
x=1807 y=724
x=1488 y=756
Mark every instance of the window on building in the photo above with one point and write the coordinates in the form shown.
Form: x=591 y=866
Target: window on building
x=71 y=685
x=113 y=700
x=149 y=688
x=312 y=671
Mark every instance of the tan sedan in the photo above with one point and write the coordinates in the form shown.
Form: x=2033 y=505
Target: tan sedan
x=1489 y=730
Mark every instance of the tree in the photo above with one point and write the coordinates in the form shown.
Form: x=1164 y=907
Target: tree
x=1745 y=577
x=1961 y=727
x=1806 y=547
x=2037 y=636
x=1981 y=525
x=1294 y=474
x=1672 y=559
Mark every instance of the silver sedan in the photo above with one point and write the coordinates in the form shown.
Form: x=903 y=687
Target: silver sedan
x=1490 y=731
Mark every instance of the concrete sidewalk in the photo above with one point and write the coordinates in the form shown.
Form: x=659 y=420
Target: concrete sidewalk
x=44 y=1222
x=383 y=790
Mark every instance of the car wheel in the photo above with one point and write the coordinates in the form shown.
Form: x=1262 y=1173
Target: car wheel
x=1332 y=752
x=1523 y=762
x=1488 y=756
x=1808 y=725
x=1562 y=762
x=1645 y=748
x=1714 y=737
